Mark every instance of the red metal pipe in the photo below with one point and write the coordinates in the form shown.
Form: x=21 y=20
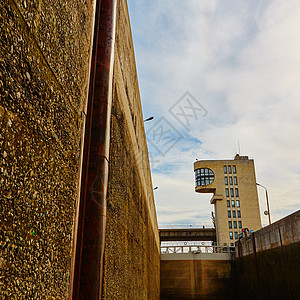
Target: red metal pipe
x=88 y=266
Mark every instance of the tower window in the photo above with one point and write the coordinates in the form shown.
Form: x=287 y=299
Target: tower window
x=230 y=224
x=239 y=213
x=234 y=224
x=229 y=214
x=240 y=224
x=234 y=169
x=233 y=214
x=235 y=180
x=228 y=203
x=227 y=192
x=236 y=192
x=229 y=169
x=231 y=235
x=231 y=193
x=237 y=203
x=232 y=203
x=226 y=180
x=225 y=170
x=230 y=180
x=236 y=235
x=204 y=176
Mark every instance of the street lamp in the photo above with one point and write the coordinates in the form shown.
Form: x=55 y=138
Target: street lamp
x=267 y=198
x=149 y=119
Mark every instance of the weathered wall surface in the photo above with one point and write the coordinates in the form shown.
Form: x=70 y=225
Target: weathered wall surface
x=132 y=255
x=272 y=270
x=281 y=233
x=195 y=278
x=44 y=71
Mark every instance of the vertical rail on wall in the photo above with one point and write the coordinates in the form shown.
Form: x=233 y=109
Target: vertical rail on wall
x=283 y=265
x=89 y=251
x=75 y=271
x=256 y=266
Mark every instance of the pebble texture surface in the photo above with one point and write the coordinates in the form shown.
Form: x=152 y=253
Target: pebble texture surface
x=44 y=69
x=132 y=255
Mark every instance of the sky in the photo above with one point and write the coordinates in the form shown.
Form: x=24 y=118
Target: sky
x=220 y=78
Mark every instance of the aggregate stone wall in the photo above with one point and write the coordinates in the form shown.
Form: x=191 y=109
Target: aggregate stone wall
x=44 y=71
x=132 y=256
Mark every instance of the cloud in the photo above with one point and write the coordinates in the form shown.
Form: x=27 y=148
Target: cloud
x=241 y=61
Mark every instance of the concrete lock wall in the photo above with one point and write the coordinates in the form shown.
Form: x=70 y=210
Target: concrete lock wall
x=272 y=270
x=44 y=71
x=45 y=49
x=196 y=276
x=132 y=253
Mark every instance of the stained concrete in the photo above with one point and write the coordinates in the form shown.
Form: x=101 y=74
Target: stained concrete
x=272 y=270
x=196 y=276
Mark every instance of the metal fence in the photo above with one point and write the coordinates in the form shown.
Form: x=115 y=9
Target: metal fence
x=196 y=249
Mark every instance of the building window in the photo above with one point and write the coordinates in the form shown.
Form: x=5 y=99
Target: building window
x=230 y=180
x=229 y=169
x=239 y=213
x=240 y=224
x=236 y=235
x=234 y=224
x=233 y=214
x=204 y=176
x=234 y=169
x=225 y=170
x=232 y=203
x=230 y=224
x=231 y=244
x=236 y=192
x=235 y=180
x=227 y=192
x=226 y=180
x=231 y=193
x=229 y=214
x=228 y=203
x=231 y=235
x=237 y=203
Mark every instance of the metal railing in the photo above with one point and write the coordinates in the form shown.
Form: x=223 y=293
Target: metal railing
x=196 y=249
x=184 y=226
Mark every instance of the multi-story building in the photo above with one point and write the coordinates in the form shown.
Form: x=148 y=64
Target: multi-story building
x=235 y=198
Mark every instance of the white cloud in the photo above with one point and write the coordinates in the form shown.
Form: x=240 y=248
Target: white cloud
x=242 y=63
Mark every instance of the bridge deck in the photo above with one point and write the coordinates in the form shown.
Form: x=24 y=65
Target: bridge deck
x=187 y=234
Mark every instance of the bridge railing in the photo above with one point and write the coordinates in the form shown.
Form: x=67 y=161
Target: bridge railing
x=196 y=249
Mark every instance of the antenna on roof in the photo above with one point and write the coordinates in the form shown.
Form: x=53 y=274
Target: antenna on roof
x=239 y=147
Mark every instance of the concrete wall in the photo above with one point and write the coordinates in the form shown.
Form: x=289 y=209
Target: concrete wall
x=132 y=254
x=281 y=233
x=272 y=270
x=196 y=276
x=44 y=71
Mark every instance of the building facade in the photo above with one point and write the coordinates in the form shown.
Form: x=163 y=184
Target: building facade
x=235 y=199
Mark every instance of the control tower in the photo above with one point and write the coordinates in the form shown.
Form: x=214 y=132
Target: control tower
x=235 y=199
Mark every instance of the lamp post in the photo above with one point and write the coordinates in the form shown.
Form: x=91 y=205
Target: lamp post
x=267 y=198
x=148 y=119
